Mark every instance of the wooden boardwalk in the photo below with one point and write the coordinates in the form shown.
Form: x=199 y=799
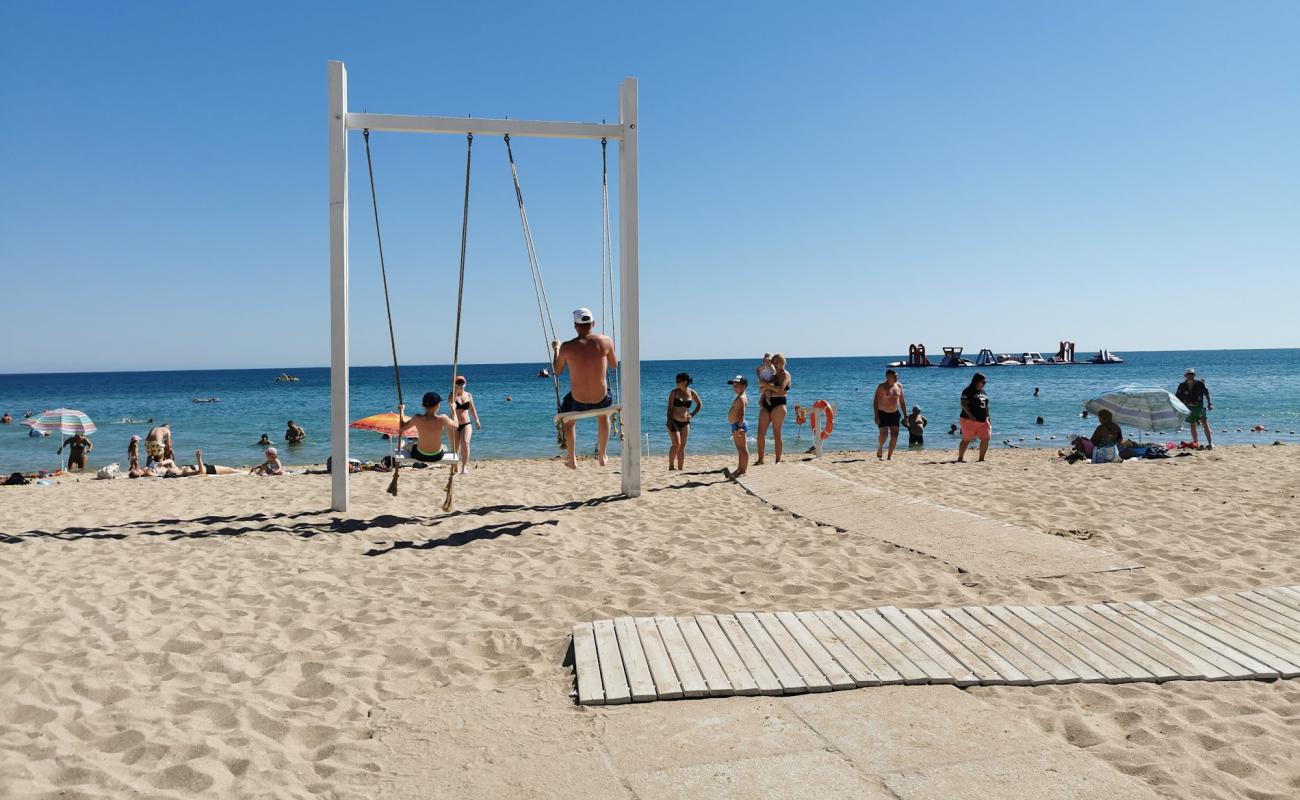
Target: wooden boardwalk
x=967 y=541
x=1246 y=635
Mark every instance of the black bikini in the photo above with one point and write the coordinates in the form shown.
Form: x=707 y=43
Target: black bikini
x=772 y=401
x=677 y=425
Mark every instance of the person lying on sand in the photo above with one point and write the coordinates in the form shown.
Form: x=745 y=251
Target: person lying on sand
x=271 y=466
x=201 y=469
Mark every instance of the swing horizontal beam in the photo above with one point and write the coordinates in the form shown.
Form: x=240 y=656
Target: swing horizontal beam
x=482 y=126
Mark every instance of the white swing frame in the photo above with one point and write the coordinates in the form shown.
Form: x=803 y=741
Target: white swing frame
x=625 y=133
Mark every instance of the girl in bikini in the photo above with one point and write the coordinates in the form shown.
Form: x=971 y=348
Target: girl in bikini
x=680 y=400
x=463 y=402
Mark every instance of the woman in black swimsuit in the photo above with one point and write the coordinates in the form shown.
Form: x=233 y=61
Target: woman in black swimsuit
x=463 y=402
x=771 y=408
x=680 y=400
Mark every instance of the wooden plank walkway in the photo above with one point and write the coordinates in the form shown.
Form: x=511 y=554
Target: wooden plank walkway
x=965 y=540
x=1251 y=635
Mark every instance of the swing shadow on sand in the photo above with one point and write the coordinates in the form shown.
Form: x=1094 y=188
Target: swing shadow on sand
x=308 y=529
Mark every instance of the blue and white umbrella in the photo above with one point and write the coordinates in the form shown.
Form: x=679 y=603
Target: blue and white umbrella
x=1146 y=408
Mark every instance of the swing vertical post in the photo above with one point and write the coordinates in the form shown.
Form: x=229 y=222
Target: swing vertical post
x=338 y=152
x=629 y=288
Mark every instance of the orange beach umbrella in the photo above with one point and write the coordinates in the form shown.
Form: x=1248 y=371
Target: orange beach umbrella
x=380 y=423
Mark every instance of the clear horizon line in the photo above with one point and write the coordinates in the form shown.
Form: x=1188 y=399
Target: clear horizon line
x=1120 y=350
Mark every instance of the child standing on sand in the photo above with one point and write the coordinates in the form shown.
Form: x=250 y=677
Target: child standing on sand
x=736 y=420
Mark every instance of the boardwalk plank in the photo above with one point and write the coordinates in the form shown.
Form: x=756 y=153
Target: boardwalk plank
x=860 y=673
x=1062 y=649
x=586 y=665
x=901 y=664
x=748 y=652
x=880 y=668
x=785 y=673
x=1214 y=666
x=612 y=673
x=684 y=665
x=1239 y=640
x=715 y=677
x=933 y=672
x=1256 y=615
x=1284 y=616
x=1247 y=667
x=1008 y=644
x=1142 y=649
x=812 y=677
x=639 y=679
x=1284 y=653
x=835 y=673
x=1105 y=659
x=988 y=658
x=667 y=686
x=742 y=682
x=917 y=635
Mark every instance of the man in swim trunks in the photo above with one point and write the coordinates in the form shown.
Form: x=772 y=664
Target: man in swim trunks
x=736 y=422
x=294 y=433
x=6 y=419
x=158 y=444
x=916 y=423
x=78 y=447
x=1194 y=394
x=888 y=406
x=429 y=428
x=588 y=356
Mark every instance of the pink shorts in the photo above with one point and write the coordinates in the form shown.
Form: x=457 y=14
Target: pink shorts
x=970 y=429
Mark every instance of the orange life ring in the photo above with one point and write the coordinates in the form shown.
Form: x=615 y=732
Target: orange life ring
x=827 y=409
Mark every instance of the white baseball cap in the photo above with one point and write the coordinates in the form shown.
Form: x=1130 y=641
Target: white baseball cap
x=582 y=316
x=1189 y=371
x=741 y=379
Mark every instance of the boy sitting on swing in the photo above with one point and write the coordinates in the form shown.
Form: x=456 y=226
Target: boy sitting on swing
x=429 y=428
x=588 y=355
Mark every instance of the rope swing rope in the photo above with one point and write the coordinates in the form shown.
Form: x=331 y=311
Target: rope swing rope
x=392 y=338
x=607 y=280
x=460 y=299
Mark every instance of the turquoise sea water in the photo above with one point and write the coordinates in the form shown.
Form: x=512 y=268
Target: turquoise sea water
x=1249 y=387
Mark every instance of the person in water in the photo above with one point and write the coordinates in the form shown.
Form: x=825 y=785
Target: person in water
x=6 y=419
x=78 y=448
x=887 y=407
x=429 y=428
x=915 y=427
x=588 y=356
x=271 y=466
x=264 y=442
x=1194 y=394
x=975 y=422
x=739 y=430
x=294 y=433
x=463 y=402
x=680 y=400
x=772 y=407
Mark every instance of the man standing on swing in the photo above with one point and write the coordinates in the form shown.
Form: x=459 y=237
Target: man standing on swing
x=588 y=355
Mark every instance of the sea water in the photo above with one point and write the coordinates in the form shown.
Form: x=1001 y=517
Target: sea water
x=1249 y=387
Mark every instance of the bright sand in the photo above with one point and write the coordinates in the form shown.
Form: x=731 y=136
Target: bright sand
x=223 y=636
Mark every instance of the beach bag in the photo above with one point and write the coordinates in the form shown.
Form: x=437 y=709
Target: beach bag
x=107 y=473
x=1105 y=455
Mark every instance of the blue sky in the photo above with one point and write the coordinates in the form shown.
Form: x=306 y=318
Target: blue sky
x=825 y=179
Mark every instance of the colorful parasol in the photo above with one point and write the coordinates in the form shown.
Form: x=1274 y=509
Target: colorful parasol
x=381 y=423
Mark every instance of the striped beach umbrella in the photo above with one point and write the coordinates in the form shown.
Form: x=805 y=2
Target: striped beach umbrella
x=1143 y=407
x=61 y=421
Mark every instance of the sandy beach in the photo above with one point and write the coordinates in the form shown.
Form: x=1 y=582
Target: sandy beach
x=229 y=637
